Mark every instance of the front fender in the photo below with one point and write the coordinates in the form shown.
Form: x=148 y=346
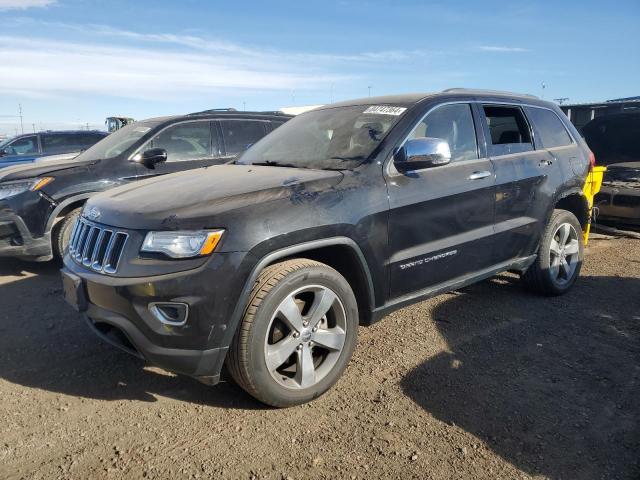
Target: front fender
x=285 y=252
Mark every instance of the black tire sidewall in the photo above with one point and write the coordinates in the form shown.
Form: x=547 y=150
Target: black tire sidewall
x=64 y=229
x=560 y=217
x=270 y=390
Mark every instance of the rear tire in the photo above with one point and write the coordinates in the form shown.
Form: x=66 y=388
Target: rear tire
x=297 y=335
x=560 y=256
x=62 y=232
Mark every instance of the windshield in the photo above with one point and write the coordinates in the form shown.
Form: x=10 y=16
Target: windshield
x=332 y=138
x=117 y=142
x=5 y=142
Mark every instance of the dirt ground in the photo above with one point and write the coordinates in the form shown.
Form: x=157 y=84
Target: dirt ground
x=487 y=382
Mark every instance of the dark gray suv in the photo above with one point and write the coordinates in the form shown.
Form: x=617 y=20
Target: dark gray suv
x=338 y=217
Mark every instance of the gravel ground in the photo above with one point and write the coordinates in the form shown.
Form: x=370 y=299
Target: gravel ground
x=487 y=382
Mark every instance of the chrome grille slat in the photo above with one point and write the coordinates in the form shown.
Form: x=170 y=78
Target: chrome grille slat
x=97 y=247
x=81 y=241
x=74 y=234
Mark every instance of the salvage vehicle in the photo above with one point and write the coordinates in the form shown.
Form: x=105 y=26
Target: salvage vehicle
x=615 y=140
x=31 y=146
x=619 y=199
x=39 y=203
x=342 y=215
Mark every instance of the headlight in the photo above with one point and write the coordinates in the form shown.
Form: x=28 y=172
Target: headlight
x=182 y=244
x=10 y=189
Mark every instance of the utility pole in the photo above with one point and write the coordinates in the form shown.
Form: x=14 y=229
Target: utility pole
x=20 y=113
x=244 y=106
x=87 y=125
x=369 y=87
x=331 y=94
x=34 y=127
x=544 y=85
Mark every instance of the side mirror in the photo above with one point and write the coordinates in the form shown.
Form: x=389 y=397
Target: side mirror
x=424 y=152
x=4 y=152
x=150 y=158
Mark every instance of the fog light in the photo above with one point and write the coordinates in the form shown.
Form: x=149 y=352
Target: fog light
x=170 y=313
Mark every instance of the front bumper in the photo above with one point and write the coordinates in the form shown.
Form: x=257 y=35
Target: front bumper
x=119 y=310
x=619 y=205
x=16 y=239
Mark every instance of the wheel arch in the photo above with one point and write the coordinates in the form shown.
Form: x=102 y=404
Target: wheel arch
x=341 y=253
x=65 y=207
x=575 y=202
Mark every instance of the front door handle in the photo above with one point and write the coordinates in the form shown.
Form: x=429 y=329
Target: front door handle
x=545 y=163
x=479 y=175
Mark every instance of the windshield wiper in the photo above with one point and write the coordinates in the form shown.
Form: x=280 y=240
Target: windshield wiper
x=348 y=159
x=271 y=163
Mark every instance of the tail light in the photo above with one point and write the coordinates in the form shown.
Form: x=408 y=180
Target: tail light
x=592 y=161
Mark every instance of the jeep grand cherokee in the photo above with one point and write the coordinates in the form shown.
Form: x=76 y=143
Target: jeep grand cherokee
x=340 y=216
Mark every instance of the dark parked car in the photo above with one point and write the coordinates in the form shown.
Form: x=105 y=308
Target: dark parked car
x=339 y=217
x=615 y=140
x=31 y=146
x=40 y=202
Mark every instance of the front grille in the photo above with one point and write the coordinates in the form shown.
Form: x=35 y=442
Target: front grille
x=97 y=247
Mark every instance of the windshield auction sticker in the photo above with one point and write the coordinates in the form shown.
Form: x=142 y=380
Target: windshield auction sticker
x=385 y=110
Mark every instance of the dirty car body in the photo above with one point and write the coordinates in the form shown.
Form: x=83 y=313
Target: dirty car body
x=326 y=187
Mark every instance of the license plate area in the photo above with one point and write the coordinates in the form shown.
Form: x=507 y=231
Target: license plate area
x=74 y=291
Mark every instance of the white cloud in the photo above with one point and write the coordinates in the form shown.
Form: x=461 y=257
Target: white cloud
x=145 y=67
x=498 y=48
x=47 y=67
x=24 y=4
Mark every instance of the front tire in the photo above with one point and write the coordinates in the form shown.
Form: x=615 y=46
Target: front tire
x=62 y=232
x=297 y=335
x=560 y=256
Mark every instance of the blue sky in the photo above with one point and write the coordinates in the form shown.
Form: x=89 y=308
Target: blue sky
x=72 y=62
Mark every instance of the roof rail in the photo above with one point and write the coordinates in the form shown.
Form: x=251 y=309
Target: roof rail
x=486 y=92
x=233 y=110
x=214 y=110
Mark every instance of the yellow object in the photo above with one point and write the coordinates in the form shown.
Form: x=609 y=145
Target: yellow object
x=212 y=241
x=41 y=183
x=591 y=187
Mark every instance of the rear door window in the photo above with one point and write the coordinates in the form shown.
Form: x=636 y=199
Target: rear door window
x=184 y=141
x=61 y=143
x=239 y=135
x=87 y=140
x=549 y=128
x=509 y=131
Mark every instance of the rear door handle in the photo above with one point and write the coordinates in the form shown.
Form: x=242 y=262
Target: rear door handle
x=545 y=163
x=479 y=175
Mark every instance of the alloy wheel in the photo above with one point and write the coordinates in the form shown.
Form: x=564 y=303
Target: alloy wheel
x=565 y=250
x=305 y=337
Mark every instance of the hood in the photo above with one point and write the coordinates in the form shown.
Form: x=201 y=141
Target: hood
x=624 y=175
x=42 y=166
x=625 y=165
x=192 y=198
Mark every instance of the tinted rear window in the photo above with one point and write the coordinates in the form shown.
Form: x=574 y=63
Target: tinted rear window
x=551 y=131
x=239 y=135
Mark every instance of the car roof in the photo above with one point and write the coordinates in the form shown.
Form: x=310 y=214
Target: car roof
x=214 y=114
x=409 y=99
x=59 y=132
